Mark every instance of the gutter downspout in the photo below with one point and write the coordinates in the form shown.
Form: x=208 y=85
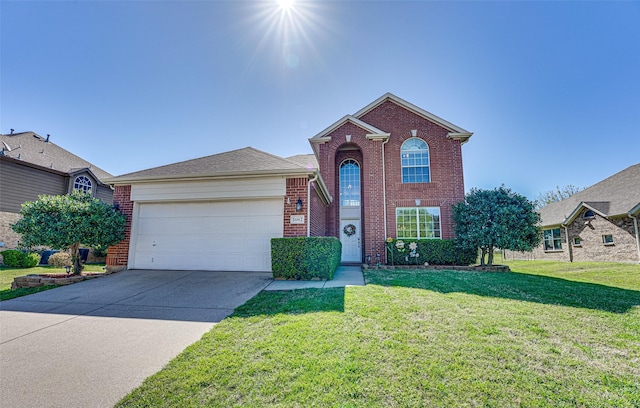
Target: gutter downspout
x=635 y=226
x=314 y=179
x=566 y=234
x=384 y=196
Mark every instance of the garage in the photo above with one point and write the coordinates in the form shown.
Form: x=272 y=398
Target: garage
x=215 y=213
x=229 y=235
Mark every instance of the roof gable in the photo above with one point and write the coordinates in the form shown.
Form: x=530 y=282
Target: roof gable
x=454 y=129
x=321 y=137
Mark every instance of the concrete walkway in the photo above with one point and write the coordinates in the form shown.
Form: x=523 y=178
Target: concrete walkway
x=344 y=276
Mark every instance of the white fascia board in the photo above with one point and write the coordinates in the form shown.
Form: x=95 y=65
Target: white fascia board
x=185 y=177
x=415 y=109
x=347 y=118
x=635 y=211
x=378 y=136
x=577 y=210
x=462 y=137
x=324 y=196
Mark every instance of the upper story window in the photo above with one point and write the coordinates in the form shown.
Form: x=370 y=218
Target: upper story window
x=82 y=183
x=350 y=183
x=414 y=155
x=588 y=214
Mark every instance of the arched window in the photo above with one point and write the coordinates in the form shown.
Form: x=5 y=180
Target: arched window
x=82 y=183
x=588 y=214
x=414 y=155
x=350 y=183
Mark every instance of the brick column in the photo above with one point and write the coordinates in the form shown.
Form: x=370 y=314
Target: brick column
x=118 y=255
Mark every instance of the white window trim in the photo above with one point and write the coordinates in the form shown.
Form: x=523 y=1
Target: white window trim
x=428 y=166
x=417 y=222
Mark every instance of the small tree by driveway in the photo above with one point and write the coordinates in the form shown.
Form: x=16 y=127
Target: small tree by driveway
x=497 y=218
x=67 y=221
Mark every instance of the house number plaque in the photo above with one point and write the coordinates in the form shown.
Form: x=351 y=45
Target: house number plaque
x=297 y=219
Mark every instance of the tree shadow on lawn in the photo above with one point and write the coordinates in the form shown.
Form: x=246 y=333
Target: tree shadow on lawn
x=511 y=285
x=298 y=301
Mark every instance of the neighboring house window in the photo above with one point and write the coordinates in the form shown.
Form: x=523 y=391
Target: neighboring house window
x=82 y=183
x=349 y=183
x=588 y=214
x=414 y=155
x=577 y=241
x=607 y=239
x=418 y=222
x=552 y=240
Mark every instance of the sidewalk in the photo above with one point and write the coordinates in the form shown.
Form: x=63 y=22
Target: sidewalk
x=344 y=276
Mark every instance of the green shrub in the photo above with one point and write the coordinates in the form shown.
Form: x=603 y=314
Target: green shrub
x=305 y=257
x=431 y=251
x=30 y=259
x=19 y=259
x=60 y=259
x=12 y=258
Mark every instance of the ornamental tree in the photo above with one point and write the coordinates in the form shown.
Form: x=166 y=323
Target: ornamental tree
x=497 y=218
x=67 y=221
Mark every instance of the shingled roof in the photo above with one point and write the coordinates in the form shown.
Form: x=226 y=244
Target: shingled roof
x=29 y=147
x=614 y=196
x=242 y=162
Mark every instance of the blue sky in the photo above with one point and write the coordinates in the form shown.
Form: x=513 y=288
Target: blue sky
x=551 y=90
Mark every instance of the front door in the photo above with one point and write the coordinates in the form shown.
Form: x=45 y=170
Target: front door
x=350 y=237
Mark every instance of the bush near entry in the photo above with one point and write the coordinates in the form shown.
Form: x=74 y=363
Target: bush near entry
x=305 y=257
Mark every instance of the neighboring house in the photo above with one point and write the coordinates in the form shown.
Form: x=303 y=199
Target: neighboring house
x=390 y=169
x=31 y=165
x=599 y=223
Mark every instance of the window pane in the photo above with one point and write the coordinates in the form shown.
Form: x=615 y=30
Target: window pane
x=414 y=157
x=418 y=222
x=350 y=184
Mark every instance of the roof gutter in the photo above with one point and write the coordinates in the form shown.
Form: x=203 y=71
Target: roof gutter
x=635 y=227
x=123 y=180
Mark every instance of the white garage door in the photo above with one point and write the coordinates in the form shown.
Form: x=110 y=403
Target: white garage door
x=215 y=235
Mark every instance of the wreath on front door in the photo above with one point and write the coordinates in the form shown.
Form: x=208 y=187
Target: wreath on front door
x=349 y=229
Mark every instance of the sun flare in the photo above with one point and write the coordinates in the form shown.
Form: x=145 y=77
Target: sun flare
x=285 y=4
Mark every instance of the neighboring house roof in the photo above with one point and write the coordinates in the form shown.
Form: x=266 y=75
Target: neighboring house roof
x=29 y=147
x=614 y=196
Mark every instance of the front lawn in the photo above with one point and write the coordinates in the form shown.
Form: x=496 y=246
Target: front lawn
x=7 y=274
x=412 y=338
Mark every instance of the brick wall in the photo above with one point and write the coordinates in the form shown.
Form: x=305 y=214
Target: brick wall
x=318 y=224
x=118 y=255
x=296 y=188
x=445 y=189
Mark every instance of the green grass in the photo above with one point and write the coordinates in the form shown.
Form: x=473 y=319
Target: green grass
x=415 y=338
x=7 y=274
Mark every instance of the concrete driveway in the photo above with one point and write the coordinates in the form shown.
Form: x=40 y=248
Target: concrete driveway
x=89 y=344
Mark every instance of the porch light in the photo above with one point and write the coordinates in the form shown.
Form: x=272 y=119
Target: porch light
x=418 y=202
x=299 y=204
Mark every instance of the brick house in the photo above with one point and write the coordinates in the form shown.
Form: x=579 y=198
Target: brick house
x=390 y=169
x=31 y=165
x=599 y=223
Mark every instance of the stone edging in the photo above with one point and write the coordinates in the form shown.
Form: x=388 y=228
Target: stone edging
x=33 y=281
x=493 y=268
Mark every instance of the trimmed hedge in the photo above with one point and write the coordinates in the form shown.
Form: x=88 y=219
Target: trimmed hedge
x=305 y=257
x=60 y=259
x=432 y=251
x=19 y=259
